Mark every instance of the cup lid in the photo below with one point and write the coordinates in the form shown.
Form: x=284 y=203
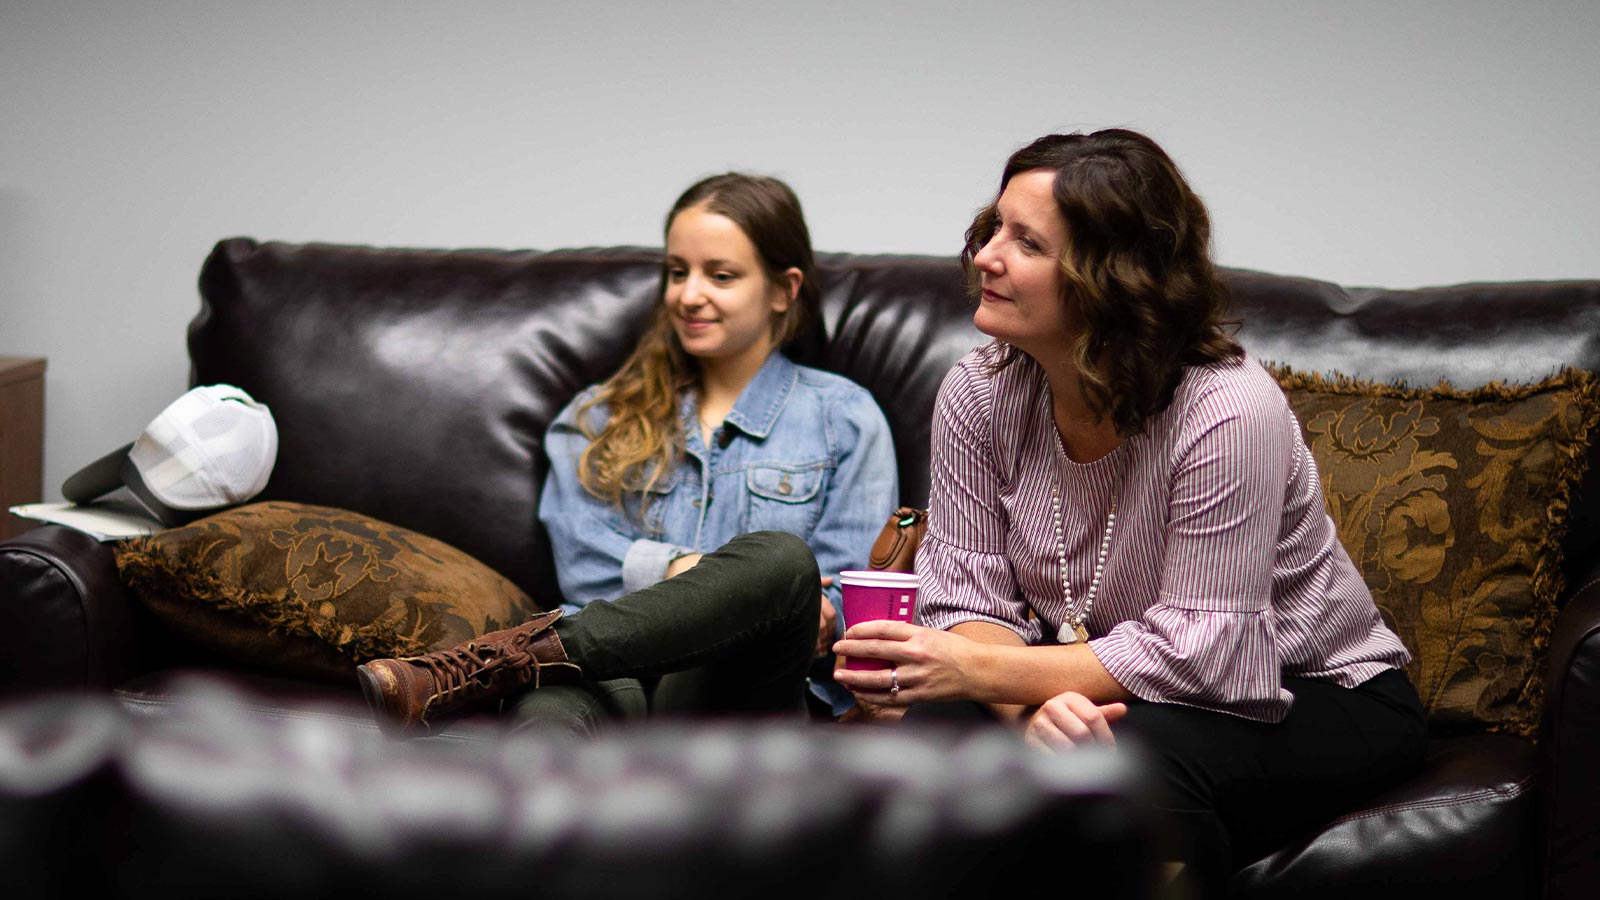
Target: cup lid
x=879 y=578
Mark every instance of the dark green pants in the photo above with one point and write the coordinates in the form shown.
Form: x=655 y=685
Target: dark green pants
x=734 y=634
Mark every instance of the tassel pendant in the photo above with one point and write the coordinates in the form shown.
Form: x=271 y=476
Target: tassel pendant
x=1072 y=633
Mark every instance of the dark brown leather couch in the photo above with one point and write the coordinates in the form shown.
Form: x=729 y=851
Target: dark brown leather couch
x=415 y=385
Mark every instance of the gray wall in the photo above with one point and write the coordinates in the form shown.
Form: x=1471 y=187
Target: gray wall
x=1364 y=142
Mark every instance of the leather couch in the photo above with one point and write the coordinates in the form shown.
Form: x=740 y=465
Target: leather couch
x=414 y=386
x=217 y=798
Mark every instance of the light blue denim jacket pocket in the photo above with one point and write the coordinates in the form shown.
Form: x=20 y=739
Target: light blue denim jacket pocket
x=783 y=497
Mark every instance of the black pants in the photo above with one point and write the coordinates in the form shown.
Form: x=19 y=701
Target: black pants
x=1237 y=788
x=734 y=634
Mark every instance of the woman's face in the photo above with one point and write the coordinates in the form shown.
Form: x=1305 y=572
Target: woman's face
x=1023 y=298
x=718 y=294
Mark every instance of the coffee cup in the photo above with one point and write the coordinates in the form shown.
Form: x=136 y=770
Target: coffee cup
x=872 y=594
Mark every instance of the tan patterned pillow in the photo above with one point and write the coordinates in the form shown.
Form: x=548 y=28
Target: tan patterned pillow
x=1453 y=505
x=313 y=591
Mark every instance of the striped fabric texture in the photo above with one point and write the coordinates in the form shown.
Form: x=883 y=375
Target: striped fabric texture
x=1224 y=571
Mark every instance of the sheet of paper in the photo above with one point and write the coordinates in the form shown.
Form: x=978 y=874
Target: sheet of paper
x=106 y=520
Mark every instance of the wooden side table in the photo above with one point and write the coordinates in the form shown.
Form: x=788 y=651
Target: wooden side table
x=21 y=439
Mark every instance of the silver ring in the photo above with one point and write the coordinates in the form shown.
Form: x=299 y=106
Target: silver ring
x=894 y=681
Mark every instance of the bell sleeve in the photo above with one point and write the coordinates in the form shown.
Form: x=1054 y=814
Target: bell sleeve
x=1208 y=639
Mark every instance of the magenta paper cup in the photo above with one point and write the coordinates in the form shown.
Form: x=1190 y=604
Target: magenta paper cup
x=872 y=594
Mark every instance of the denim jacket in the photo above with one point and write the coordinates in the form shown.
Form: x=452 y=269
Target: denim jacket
x=804 y=451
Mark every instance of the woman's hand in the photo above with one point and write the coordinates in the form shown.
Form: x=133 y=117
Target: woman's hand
x=683 y=564
x=925 y=664
x=1069 y=720
x=865 y=713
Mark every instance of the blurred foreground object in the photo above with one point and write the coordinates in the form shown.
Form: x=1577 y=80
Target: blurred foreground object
x=214 y=799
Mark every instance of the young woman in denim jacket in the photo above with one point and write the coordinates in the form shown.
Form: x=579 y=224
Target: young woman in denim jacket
x=707 y=433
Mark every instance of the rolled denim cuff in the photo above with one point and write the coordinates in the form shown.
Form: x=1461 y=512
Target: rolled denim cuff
x=835 y=596
x=646 y=563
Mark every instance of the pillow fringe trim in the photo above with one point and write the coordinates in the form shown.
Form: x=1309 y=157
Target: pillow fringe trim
x=1548 y=581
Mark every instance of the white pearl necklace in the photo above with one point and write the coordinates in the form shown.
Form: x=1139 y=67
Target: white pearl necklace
x=1072 y=628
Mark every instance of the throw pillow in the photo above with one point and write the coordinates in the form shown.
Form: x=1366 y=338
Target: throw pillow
x=1453 y=504
x=313 y=591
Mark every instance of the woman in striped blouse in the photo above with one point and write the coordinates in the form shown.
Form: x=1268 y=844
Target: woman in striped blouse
x=1126 y=531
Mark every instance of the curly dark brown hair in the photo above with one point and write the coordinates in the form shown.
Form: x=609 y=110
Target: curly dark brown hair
x=1137 y=265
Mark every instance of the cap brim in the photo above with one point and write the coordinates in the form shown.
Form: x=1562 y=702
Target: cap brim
x=97 y=479
x=164 y=514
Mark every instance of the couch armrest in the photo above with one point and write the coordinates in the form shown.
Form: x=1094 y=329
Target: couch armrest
x=1569 y=746
x=65 y=620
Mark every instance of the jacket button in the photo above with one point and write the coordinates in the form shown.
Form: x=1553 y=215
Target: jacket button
x=784 y=488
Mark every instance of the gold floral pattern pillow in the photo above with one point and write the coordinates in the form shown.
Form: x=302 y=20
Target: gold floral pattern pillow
x=313 y=591
x=1453 y=505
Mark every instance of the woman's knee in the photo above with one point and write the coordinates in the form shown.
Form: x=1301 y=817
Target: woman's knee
x=781 y=563
x=782 y=550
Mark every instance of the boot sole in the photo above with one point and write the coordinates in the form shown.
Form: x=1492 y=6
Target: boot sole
x=372 y=692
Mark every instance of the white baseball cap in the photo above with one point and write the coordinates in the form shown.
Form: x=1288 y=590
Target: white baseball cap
x=213 y=447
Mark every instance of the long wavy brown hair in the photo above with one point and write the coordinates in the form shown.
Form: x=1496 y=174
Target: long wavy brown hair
x=1137 y=265
x=643 y=437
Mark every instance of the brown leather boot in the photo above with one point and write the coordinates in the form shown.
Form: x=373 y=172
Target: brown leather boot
x=406 y=692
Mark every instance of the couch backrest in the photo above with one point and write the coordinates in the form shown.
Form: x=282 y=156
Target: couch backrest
x=416 y=385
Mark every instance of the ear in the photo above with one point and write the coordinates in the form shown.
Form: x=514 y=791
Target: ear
x=789 y=285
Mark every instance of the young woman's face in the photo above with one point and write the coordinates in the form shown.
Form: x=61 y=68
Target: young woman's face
x=721 y=301
x=1023 y=299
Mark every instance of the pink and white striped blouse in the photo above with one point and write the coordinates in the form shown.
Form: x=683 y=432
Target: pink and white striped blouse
x=1224 y=572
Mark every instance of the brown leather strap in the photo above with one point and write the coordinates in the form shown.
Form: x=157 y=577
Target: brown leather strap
x=895 y=550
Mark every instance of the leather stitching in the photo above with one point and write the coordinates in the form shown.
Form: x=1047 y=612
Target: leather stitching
x=1518 y=789
x=1586 y=585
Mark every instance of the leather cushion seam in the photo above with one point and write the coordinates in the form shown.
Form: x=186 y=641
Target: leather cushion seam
x=1508 y=793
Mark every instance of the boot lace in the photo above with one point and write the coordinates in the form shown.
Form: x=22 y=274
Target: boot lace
x=474 y=668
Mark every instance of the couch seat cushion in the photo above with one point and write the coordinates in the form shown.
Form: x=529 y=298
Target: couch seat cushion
x=1461 y=829
x=276 y=698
